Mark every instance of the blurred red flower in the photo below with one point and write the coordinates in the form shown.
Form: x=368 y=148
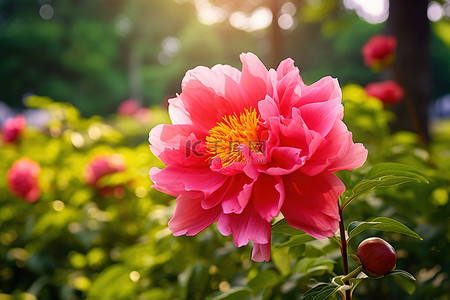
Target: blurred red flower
x=247 y=145
x=12 y=128
x=378 y=52
x=22 y=179
x=389 y=92
x=128 y=107
x=102 y=165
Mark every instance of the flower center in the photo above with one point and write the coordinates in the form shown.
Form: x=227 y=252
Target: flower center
x=224 y=139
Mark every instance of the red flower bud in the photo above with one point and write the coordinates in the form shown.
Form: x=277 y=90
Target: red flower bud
x=377 y=256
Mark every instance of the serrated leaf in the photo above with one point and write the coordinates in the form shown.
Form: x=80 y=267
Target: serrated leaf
x=237 y=293
x=320 y=292
x=391 y=225
x=360 y=227
x=404 y=280
x=282 y=226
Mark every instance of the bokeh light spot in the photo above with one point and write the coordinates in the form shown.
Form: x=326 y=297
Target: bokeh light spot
x=285 y=21
x=46 y=12
x=134 y=276
x=435 y=11
x=58 y=205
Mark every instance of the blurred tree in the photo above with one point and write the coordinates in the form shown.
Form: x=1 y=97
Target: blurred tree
x=409 y=23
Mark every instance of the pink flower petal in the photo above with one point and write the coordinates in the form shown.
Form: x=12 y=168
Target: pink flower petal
x=268 y=108
x=268 y=196
x=261 y=252
x=206 y=96
x=189 y=217
x=237 y=196
x=177 y=143
x=253 y=78
x=320 y=117
x=249 y=226
x=174 y=180
x=323 y=90
x=284 y=160
x=311 y=203
x=337 y=152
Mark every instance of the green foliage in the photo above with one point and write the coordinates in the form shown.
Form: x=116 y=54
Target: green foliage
x=77 y=243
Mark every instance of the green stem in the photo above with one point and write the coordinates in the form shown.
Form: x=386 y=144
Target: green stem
x=348 y=295
x=352 y=273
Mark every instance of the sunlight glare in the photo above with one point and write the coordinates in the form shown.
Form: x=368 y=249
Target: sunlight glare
x=261 y=18
x=209 y=14
x=372 y=11
x=435 y=11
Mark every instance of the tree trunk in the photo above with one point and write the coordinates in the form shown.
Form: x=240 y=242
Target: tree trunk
x=409 y=23
x=275 y=34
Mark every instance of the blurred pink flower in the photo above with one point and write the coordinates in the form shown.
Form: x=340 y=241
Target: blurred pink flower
x=246 y=145
x=23 y=179
x=12 y=128
x=102 y=165
x=128 y=107
x=389 y=92
x=378 y=52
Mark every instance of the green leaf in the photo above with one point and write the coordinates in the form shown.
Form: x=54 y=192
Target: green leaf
x=386 y=175
x=355 y=281
x=404 y=280
x=237 y=293
x=282 y=226
x=396 y=169
x=320 y=292
x=264 y=279
x=382 y=224
x=296 y=240
x=360 y=227
x=391 y=225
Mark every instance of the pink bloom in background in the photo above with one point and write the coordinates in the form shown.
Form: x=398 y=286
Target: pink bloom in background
x=128 y=107
x=245 y=146
x=378 y=52
x=23 y=179
x=12 y=128
x=389 y=92
x=102 y=165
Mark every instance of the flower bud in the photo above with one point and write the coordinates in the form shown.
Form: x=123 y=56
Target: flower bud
x=22 y=179
x=377 y=256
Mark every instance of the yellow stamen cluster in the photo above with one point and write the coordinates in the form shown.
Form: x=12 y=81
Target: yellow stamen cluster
x=224 y=139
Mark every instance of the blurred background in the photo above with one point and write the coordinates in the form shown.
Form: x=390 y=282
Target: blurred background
x=93 y=77
x=96 y=54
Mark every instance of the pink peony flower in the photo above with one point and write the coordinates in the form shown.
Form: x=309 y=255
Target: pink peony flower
x=389 y=92
x=378 y=52
x=102 y=165
x=245 y=146
x=23 y=179
x=128 y=107
x=12 y=128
